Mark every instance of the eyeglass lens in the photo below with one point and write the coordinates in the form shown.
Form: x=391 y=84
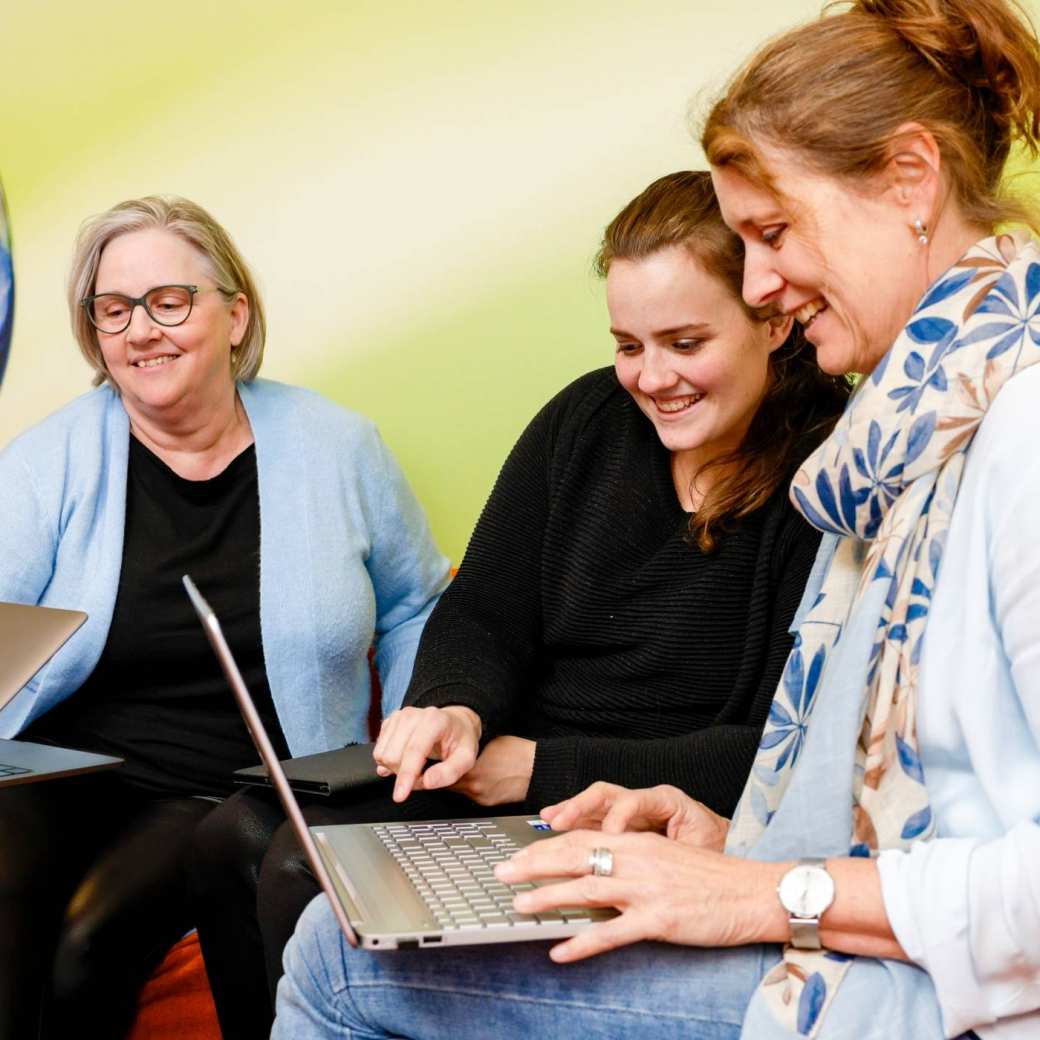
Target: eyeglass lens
x=166 y=305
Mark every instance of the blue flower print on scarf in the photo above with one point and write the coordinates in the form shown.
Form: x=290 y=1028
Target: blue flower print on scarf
x=936 y=334
x=787 y=724
x=1021 y=316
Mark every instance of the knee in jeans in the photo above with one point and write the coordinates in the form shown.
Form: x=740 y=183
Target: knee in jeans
x=316 y=915
x=317 y=931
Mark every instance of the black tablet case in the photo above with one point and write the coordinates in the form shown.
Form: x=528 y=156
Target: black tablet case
x=327 y=773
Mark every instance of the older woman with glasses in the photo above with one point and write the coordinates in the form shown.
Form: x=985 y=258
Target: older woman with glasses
x=293 y=519
x=880 y=875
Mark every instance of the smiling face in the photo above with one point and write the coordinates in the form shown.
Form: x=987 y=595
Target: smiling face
x=843 y=263
x=693 y=360
x=168 y=374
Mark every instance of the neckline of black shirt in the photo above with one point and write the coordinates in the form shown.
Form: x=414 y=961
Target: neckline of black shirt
x=199 y=491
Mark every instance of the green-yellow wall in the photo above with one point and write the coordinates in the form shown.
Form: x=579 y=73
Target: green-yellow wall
x=420 y=187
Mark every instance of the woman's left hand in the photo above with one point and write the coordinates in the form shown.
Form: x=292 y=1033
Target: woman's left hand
x=501 y=774
x=664 y=891
x=665 y=809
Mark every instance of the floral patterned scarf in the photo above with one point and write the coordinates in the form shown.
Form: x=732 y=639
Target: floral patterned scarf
x=883 y=486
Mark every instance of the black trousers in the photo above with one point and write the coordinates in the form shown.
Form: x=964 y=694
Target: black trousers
x=250 y=882
x=92 y=895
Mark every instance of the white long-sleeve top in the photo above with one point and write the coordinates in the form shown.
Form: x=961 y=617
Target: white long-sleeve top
x=966 y=906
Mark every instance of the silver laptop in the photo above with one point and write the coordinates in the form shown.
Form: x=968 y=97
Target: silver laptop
x=408 y=885
x=29 y=638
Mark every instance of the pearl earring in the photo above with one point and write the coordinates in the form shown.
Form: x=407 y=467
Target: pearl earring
x=922 y=232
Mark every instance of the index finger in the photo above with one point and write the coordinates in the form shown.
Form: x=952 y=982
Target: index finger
x=412 y=763
x=646 y=809
x=417 y=748
x=583 y=810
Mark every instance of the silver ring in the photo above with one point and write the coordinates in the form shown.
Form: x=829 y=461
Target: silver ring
x=601 y=862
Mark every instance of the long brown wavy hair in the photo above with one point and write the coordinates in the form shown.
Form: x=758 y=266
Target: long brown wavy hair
x=801 y=403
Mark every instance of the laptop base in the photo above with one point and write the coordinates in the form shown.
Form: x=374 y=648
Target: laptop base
x=22 y=762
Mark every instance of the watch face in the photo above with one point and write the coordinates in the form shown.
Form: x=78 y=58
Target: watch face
x=806 y=891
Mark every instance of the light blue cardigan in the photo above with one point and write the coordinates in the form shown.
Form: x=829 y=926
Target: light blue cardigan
x=345 y=554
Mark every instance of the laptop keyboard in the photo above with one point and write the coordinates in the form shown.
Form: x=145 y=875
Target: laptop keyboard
x=451 y=865
x=12 y=770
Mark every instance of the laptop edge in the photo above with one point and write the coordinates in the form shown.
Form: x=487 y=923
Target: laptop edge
x=267 y=754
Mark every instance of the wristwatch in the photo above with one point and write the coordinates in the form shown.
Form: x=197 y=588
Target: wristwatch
x=805 y=892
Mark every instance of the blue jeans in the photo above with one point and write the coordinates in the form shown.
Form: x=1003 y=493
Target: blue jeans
x=649 y=990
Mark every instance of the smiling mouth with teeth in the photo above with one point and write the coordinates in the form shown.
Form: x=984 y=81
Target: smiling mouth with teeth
x=806 y=314
x=155 y=361
x=677 y=404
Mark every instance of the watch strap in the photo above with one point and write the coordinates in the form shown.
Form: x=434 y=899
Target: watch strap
x=804 y=933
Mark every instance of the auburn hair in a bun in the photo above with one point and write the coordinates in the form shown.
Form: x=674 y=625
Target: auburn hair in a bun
x=834 y=93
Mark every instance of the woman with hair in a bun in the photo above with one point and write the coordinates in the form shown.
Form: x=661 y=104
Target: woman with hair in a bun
x=879 y=876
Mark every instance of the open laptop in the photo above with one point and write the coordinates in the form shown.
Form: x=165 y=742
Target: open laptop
x=408 y=885
x=29 y=638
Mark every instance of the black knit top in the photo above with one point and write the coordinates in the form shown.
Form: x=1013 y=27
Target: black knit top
x=584 y=617
x=157 y=696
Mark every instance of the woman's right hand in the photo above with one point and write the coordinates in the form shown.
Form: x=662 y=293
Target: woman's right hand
x=410 y=736
x=665 y=809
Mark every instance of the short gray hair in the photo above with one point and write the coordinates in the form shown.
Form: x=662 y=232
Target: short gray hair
x=189 y=221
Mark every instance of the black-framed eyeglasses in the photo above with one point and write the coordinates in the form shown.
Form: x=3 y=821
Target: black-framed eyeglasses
x=167 y=305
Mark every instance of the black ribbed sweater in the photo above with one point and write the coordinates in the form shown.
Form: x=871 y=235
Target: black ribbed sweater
x=584 y=618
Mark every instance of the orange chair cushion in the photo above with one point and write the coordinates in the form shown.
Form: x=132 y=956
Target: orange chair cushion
x=176 y=1003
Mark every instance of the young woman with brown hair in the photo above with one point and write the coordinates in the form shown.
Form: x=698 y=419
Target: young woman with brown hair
x=878 y=878
x=612 y=592
x=623 y=609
